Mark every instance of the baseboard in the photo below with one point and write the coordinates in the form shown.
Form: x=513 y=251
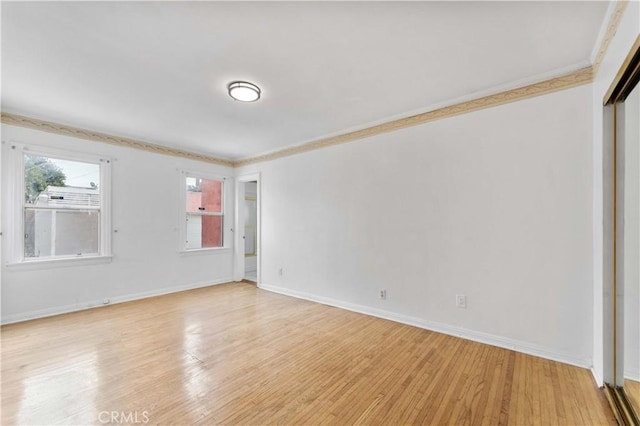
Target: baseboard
x=597 y=376
x=632 y=374
x=57 y=310
x=475 y=336
x=628 y=374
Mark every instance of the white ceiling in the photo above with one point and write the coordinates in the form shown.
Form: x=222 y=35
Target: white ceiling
x=157 y=71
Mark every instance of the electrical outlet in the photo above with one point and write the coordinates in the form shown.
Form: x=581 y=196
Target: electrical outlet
x=383 y=294
x=461 y=301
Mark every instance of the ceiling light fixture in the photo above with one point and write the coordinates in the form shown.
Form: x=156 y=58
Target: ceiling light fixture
x=244 y=91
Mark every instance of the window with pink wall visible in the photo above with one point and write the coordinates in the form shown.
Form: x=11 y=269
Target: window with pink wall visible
x=205 y=218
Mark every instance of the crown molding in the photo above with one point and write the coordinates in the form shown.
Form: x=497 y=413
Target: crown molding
x=578 y=78
x=610 y=32
x=61 y=129
x=567 y=81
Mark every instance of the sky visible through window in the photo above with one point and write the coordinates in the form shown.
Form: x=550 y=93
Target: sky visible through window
x=78 y=174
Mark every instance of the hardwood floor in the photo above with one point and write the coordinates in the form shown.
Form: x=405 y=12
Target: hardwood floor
x=632 y=389
x=233 y=354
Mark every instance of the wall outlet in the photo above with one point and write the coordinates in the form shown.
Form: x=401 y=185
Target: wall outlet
x=383 y=294
x=106 y=301
x=461 y=301
x=281 y=272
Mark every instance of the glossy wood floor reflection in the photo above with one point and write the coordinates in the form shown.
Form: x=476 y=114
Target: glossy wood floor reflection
x=233 y=354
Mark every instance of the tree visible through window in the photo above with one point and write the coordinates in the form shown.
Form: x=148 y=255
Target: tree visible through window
x=204 y=208
x=61 y=207
x=40 y=172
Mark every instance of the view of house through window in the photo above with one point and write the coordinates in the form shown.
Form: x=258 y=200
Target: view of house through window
x=204 y=213
x=61 y=207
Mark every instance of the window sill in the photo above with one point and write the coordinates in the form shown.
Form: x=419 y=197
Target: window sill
x=214 y=250
x=59 y=263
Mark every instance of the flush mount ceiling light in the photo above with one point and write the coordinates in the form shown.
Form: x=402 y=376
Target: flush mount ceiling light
x=244 y=91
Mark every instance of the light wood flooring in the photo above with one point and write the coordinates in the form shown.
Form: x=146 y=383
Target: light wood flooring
x=234 y=354
x=632 y=388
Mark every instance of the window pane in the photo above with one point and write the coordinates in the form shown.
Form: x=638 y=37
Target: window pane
x=37 y=233
x=204 y=195
x=194 y=231
x=204 y=231
x=77 y=232
x=61 y=233
x=54 y=182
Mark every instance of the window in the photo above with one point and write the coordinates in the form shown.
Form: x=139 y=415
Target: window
x=204 y=213
x=60 y=206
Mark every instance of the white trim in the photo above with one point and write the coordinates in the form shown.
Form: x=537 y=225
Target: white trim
x=597 y=376
x=106 y=229
x=60 y=154
x=204 y=175
x=476 y=336
x=16 y=196
x=632 y=374
x=602 y=32
x=210 y=250
x=181 y=210
x=498 y=91
x=15 y=223
x=59 y=262
x=227 y=184
x=63 y=207
x=238 y=257
x=42 y=313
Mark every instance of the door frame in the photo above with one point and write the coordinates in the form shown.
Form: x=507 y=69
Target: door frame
x=239 y=259
x=613 y=229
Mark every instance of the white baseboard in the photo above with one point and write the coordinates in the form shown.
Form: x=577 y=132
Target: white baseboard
x=476 y=336
x=632 y=374
x=597 y=376
x=57 y=310
x=628 y=374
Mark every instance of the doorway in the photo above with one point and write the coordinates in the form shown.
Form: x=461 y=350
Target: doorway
x=250 y=231
x=247 y=253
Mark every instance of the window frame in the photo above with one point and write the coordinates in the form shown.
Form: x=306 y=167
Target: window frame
x=183 y=213
x=17 y=214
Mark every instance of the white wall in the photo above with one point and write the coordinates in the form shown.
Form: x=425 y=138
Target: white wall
x=147 y=210
x=620 y=45
x=494 y=204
